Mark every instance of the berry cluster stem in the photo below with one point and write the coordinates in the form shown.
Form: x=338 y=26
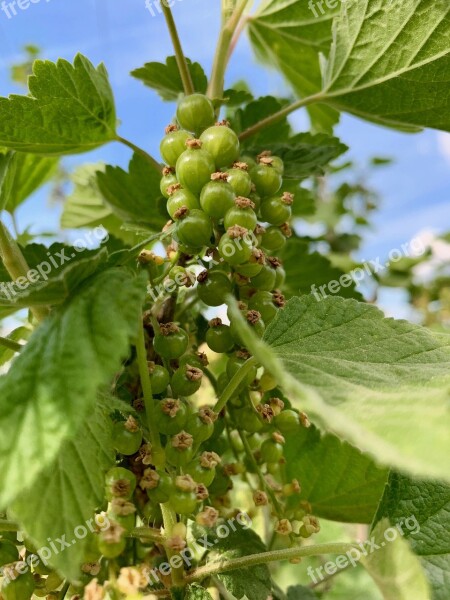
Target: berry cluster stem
x=222 y=51
x=284 y=112
x=169 y=520
x=16 y=265
x=235 y=381
x=223 y=566
x=158 y=452
x=8 y=525
x=179 y=54
x=11 y=344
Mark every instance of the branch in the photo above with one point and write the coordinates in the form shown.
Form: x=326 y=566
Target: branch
x=284 y=112
x=179 y=54
x=148 y=157
x=11 y=344
x=222 y=51
x=222 y=566
x=235 y=381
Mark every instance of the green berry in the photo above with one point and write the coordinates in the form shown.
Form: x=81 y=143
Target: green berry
x=127 y=437
x=287 y=421
x=183 y=503
x=120 y=483
x=161 y=487
x=171 y=341
x=201 y=424
x=170 y=416
x=273 y=239
x=219 y=338
x=240 y=180
x=111 y=549
x=277 y=209
x=173 y=144
x=241 y=213
x=159 y=378
x=222 y=143
x=266 y=278
x=195 y=113
x=254 y=320
x=186 y=380
x=264 y=303
x=168 y=180
x=195 y=167
x=199 y=473
x=180 y=198
x=213 y=287
x=267 y=179
x=271 y=451
x=236 y=246
x=194 y=228
x=217 y=197
x=179 y=449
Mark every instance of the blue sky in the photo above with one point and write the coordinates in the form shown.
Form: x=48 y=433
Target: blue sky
x=124 y=35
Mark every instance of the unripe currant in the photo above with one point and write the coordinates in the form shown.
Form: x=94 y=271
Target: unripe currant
x=277 y=209
x=171 y=341
x=266 y=178
x=173 y=144
x=186 y=380
x=236 y=246
x=195 y=113
x=168 y=180
x=217 y=196
x=242 y=213
x=194 y=227
x=239 y=179
x=218 y=337
x=222 y=143
x=194 y=167
x=179 y=197
x=170 y=416
x=213 y=287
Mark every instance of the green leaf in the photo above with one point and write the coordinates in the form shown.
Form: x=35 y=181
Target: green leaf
x=75 y=482
x=389 y=62
x=6 y=160
x=363 y=377
x=197 y=592
x=18 y=335
x=305 y=270
x=394 y=568
x=234 y=97
x=300 y=593
x=51 y=386
x=70 y=109
x=422 y=509
x=288 y=36
x=25 y=174
x=165 y=79
x=254 y=112
x=54 y=273
x=306 y=154
x=134 y=195
x=339 y=482
x=253 y=582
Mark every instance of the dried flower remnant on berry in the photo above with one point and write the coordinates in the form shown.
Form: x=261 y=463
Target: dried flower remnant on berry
x=182 y=441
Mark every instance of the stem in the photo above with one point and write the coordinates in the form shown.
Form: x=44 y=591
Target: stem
x=264 y=484
x=64 y=590
x=147 y=533
x=14 y=346
x=158 y=452
x=148 y=157
x=252 y=560
x=169 y=520
x=179 y=54
x=8 y=525
x=223 y=46
x=16 y=265
x=235 y=382
x=284 y=112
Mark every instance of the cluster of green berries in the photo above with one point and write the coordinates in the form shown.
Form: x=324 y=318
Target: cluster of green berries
x=229 y=215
